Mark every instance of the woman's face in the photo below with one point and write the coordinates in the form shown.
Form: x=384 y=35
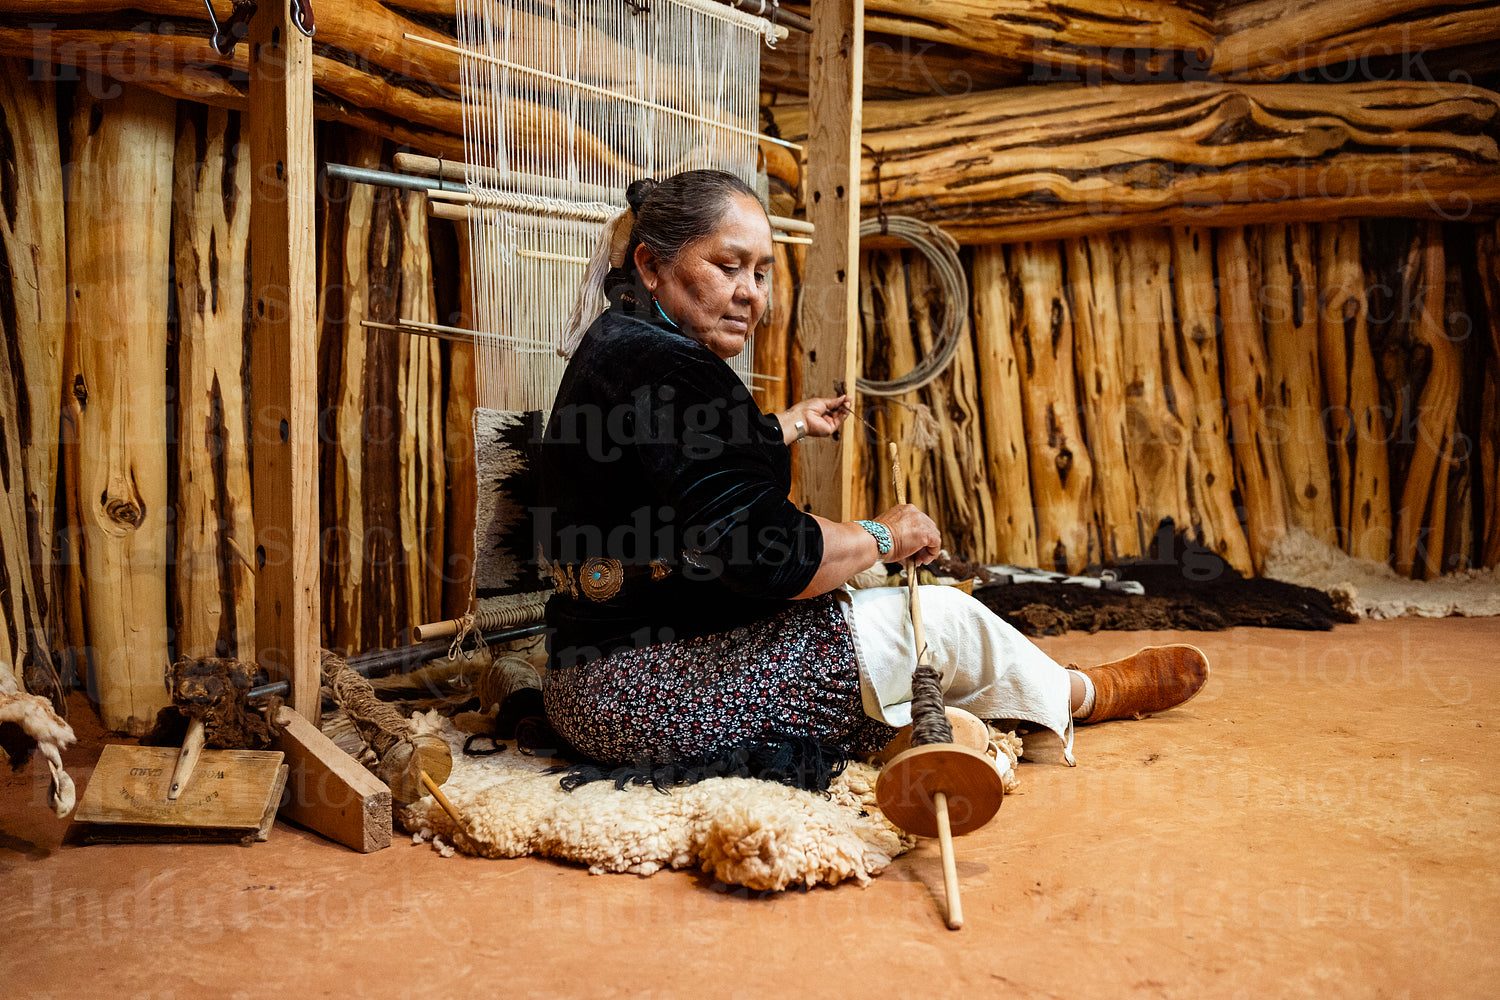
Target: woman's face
x=716 y=289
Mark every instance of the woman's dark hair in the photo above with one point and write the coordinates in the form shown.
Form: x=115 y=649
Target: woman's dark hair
x=673 y=213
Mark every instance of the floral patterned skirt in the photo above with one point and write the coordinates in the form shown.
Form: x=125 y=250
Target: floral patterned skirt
x=792 y=674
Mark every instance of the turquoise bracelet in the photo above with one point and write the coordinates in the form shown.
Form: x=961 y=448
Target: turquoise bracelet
x=882 y=535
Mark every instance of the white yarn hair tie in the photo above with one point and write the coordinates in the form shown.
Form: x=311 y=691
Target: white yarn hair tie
x=609 y=252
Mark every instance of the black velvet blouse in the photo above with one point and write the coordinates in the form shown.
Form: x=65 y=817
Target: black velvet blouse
x=664 y=510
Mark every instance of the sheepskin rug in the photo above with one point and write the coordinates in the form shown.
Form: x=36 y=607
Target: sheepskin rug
x=40 y=729
x=739 y=831
x=1374 y=590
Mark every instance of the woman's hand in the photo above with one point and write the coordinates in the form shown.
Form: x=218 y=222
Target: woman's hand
x=913 y=533
x=822 y=416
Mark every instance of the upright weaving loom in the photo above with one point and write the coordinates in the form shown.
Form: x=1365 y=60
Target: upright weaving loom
x=564 y=105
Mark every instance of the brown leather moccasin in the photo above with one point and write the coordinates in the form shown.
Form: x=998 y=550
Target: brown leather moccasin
x=1152 y=680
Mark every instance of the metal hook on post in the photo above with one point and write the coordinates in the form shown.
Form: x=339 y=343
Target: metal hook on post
x=302 y=16
x=227 y=34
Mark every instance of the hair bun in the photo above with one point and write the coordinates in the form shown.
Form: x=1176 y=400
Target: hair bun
x=638 y=192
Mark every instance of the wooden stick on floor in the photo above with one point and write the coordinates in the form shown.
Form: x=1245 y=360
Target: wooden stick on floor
x=950 y=865
x=442 y=800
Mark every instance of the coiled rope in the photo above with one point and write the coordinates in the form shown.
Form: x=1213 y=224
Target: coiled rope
x=941 y=251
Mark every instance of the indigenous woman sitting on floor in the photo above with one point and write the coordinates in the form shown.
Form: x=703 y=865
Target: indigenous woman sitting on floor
x=698 y=611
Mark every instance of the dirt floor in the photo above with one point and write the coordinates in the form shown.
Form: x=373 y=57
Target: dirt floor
x=1312 y=825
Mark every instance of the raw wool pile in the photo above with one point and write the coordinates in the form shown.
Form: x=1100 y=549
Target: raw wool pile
x=740 y=831
x=1374 y=590
x=40 y=729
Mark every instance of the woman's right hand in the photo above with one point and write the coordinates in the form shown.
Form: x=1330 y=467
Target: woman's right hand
x=913 y=533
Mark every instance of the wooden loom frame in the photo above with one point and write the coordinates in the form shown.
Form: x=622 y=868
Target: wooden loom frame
x=283 y=370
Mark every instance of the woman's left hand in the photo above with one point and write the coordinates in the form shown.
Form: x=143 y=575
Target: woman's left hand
x=822 y=416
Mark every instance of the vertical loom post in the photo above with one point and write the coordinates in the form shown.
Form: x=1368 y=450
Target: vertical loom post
x=830 y=310
x=283 y=361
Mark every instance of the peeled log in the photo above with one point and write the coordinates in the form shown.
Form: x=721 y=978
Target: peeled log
x=796 y=358
x=188 y=68
x=1061 y=471
x=366 y=73
x=1489 y=438
x=891 y=350
x=871 y=453
x=118 y=253
x=1158 y=442
x=1060 y=161
x=1457 y=551
x=1007 y=464
x=420 y=406
x=771 y=339
x=895 y=67
x=1246 y=388
x=1356 y=428
x=215 y=612
x=387 y=551
x=964 y=505
x=1420 y=515
x=1266 y=39
x=344 y=271
x=1289 y=300
x=460 y=508
x=1101 y=391
x=33 y=310
x=1083 y=38
x=365 y=31
x=927 y=469
x=1211 y=466
x=967 y=414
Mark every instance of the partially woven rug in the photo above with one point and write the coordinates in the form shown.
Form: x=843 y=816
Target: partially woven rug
x=739 y=831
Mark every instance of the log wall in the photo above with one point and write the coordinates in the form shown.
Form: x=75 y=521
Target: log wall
x=1122 y=362
x=33 y=310
x=126 y=532
x=1229 y=379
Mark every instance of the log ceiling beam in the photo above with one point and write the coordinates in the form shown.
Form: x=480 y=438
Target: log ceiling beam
x=1082 y=36
x=1063 y=161
x=367 y=75
x=1270 y=39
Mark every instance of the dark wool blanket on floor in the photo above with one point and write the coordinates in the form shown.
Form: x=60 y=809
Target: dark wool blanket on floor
x=1187 y=587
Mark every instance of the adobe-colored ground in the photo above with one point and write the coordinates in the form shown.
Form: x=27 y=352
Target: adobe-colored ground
x=1320 y=822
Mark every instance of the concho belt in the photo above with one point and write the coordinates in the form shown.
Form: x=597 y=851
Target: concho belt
x=599 y=578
